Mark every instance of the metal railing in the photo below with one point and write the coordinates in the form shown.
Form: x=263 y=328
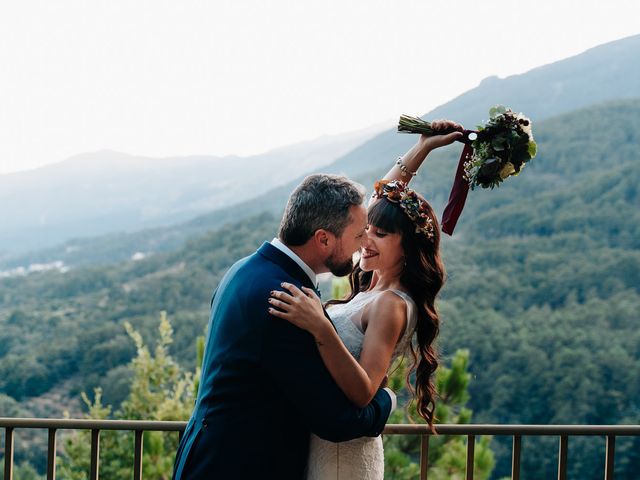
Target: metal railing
x=470 y=431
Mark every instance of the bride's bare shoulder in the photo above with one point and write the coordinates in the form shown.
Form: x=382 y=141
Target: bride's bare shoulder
x=388 y=311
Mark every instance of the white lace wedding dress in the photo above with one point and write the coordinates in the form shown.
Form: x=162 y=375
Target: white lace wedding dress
x=362 y=458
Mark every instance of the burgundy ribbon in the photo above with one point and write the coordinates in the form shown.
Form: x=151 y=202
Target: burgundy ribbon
x=459 y=190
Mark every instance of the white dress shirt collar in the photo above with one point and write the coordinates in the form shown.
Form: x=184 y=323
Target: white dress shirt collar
x=291 y=254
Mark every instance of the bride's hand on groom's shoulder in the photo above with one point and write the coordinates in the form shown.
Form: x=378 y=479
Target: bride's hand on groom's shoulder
x=302 y=307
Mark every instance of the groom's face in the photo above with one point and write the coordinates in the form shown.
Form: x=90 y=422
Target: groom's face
x=340 y=262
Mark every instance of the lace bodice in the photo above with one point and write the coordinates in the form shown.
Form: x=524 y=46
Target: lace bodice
x=362 y=458
x=347 y=317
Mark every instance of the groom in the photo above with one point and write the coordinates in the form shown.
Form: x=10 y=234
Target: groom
x=264 y=387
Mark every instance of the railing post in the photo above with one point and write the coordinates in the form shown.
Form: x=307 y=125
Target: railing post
x=8 y=453
x=95 y=454
x=515 y=458
x=610 y=457
x=471 y=442
x=562 y=457
x=137 y=456
x=51 y=455
x=424 y=456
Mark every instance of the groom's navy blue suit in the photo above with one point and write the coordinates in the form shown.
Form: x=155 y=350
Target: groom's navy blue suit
x=264 y=387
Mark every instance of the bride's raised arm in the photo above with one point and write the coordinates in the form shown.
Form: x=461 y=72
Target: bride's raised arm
x=407 y=166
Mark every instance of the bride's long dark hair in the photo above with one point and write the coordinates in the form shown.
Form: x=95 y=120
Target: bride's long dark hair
x=423 y=276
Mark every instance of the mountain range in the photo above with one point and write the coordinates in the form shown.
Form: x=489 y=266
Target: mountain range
x=607 y=72
x=105 y=192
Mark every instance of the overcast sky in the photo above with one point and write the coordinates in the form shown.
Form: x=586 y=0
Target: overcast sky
x=163 y=78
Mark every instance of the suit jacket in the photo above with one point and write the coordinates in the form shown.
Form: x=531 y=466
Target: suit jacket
x=264 y=387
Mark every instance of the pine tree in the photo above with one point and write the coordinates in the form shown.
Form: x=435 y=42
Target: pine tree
x=447 y=453
x=160 y=390
x=23 y=471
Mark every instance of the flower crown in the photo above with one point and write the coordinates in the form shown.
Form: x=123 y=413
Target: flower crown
x=396 y=191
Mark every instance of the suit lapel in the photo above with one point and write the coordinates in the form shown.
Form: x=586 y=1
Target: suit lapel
x=291 y=267
x=285 y=261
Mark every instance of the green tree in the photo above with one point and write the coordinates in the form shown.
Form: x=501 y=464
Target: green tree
x=23 y=471
x=160 y=390
x=447 y=453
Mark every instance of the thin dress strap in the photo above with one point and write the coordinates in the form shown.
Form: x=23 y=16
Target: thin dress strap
x=410 y=326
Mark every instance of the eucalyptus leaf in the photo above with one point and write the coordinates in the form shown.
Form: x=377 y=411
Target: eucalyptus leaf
x=496 y=110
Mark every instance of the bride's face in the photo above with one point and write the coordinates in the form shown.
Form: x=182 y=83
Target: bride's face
x=381 y=251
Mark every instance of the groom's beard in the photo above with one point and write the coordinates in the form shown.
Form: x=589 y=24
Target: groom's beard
x=339 y=268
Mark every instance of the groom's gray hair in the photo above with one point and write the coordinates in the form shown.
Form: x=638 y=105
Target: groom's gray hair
x=321 y=201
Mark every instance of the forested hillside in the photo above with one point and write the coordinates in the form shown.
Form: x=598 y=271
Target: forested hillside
x=543 y=289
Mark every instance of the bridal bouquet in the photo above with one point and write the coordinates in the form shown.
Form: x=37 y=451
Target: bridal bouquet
x=501 y=147
x=494 y=152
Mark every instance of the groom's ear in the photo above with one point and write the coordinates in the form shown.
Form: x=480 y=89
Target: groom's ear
x=323 y=239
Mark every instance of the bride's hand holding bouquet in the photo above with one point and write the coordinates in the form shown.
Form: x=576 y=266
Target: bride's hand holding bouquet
x=445 y=132
x=497 y=150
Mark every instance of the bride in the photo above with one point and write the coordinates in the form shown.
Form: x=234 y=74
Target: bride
x=390 y=311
